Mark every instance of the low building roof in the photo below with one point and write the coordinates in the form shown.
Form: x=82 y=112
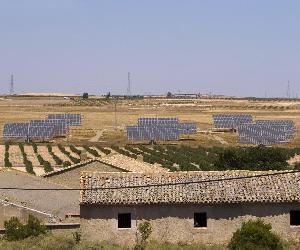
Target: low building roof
x=117 y=161
x=208 y=187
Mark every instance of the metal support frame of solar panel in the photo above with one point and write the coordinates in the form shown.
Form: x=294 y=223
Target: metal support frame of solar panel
x=70 y=119
x=231 y=120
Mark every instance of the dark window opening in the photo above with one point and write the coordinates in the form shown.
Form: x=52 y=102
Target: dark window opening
x=124 y=220
x=200 y=220
x=295 y=218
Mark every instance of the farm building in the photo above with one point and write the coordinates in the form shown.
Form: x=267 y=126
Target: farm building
x=70 y=176
x=204 y=207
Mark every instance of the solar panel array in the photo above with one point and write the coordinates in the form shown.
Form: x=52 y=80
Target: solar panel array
x=55 y=125
x=231 y=121
x=159 y=129
x=267 y=132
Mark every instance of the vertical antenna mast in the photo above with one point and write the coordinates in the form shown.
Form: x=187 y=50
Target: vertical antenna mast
x=288 y=91
x=11 y=85
x=129 y=85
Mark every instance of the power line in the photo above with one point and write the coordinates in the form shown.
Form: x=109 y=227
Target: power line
x=154 y=185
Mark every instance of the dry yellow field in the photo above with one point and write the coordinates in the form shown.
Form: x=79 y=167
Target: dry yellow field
x=103 y=125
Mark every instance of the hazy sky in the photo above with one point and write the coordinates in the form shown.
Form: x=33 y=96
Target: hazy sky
x=245 y=48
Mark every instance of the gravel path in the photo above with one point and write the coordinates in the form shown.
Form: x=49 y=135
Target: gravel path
x=43 y=151
x=15 y=156
x=61 y=155
x=31 y=156
x=57 y=203
x=89 y=155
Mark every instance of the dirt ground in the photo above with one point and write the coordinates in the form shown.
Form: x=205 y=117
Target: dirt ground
x=110 y=119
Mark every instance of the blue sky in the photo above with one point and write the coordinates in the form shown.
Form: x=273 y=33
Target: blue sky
x=233 y=47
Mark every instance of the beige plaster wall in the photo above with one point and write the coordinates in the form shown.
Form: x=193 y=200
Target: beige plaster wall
x=175 y=223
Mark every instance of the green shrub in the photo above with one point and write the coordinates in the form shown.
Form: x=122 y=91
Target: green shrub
x=73 y=159
x=7 y=163
x=47 y=166
x=91 y=151
x=104 y=150
x=145 y=231
x=75 y=150
x=15 y=230
x=255 y=234
x=35 y=148
x=66 y=164
x=40 y=159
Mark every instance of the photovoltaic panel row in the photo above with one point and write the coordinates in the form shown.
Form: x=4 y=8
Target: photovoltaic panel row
x=187 y=128
x=41 y=132
x=42 y=129
x=162 y=128
x=70 y=119
x=15 y=130
x=231 y=120
x=150 y=133
x=60 y=126
x=157 y=120
x=267 y=132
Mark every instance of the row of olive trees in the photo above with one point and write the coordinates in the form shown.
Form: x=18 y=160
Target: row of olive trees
x=215 y=158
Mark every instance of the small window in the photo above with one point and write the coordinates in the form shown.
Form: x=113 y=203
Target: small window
x=200 y=220
x=295 y=218
x=124 y=220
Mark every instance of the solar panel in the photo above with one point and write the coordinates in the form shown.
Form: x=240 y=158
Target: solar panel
x=159 y=129
x=70 y=119
x=55 y=125
x=15 y=131
x=60 y=126
x=266 y=132
x=231 y=120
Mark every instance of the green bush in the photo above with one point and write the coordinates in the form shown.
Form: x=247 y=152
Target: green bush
x=15 y=230
x=75 y=150
x=91 y=151
x=104 y=150
x=255 y=234
x=66 y=164
x=73 y=159
x=7 y=163
x=47 y=166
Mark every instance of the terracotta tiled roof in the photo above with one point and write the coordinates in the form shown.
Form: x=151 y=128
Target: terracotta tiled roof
x=271 y=188
x=130 y=164
x=115 y=160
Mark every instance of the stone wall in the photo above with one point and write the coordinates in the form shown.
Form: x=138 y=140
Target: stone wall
x=8 y=211
x=71 y=177
x=175 y=223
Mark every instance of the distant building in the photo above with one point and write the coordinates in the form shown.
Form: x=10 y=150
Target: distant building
x=207 y=212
